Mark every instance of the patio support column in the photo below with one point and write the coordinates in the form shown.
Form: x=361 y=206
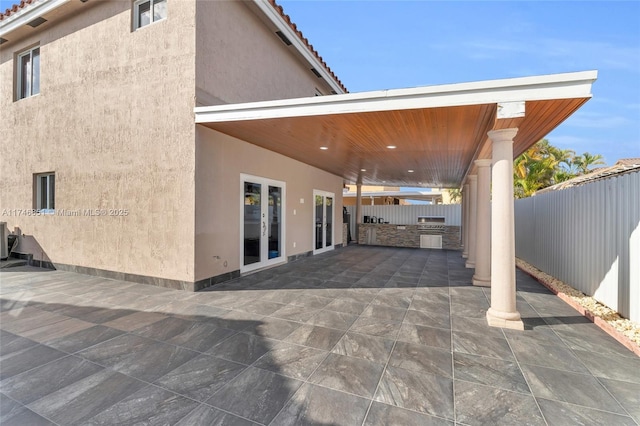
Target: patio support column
x=503 y=312
x=358 y=210
x=465 y=221
x=482 y=277
x=473 y=220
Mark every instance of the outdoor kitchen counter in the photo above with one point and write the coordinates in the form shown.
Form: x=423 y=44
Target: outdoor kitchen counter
x=380 y=234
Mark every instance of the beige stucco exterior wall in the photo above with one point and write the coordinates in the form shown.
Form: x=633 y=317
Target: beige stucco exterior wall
x=240 y=59
x=220 y=161
x=114 y=120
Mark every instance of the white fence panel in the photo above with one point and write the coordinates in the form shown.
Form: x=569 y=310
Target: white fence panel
x=589 y=237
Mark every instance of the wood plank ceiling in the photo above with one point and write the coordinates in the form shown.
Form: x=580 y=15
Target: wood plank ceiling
x=437 y=144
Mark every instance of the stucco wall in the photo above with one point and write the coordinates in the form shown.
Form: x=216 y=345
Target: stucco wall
x=114 y=120
x=220 y=161
x=240 y=59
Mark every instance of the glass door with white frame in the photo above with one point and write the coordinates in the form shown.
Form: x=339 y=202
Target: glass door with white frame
x=323 y=215
x=262 y=228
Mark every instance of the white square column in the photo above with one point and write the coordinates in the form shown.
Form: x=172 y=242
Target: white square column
x=465 y=221
x=503 y=312
x=473 y=228
x=482 y=276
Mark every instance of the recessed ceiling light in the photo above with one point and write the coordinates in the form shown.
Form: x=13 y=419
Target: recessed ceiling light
x=391 y=146
x=410 y=171
x=324 y=148
x=363 y=170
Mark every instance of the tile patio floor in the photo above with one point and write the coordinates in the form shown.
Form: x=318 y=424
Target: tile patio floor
x=357 y=336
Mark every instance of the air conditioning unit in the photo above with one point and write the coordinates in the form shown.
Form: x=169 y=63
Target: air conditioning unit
x=431 y=241
x=4 y=245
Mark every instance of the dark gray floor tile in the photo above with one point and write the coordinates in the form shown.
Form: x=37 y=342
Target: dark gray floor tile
x=580 y=389
x=201 y=377
x=561 y=413
x=138 y=356
x=80 y=401
x=428 y=318
x=388 y=415
x=489 y=371
x=93 y=314
x=56 y=330
x=151 y=405
x=262 y=307
x=26 y=358
x=421 y=358
x=422 y=335
x=291 y=360
x=384 y=312
x=611 y=367
x=41 y=381
x=315 y=337
x=243 y=347
x=15 y=414
x=475 y=325
x=347 y=306
x=13 y=343
x=85 y=338
x=198 y=336
x=255 y=394
x=423 y=392
x=331 y=319
x=311 y=302
x=314 y=405
x=627 y=394
x=295 y=313
x=348 y=374
x=205 y=415
x=483 y=405
x=477 y=344
x=21 y=320
x=596 y=341
x=273 y=328
x=376 y=327
x=560 y=357
x=398 y=301
x=376 y=349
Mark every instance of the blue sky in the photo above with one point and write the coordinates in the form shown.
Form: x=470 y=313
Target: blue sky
x=374 y=45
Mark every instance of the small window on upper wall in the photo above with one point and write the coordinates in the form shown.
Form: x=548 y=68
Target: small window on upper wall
x=146 y=12
x=45 y=192
x=28 y=73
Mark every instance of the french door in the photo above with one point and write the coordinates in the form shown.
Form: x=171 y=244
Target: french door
x=262 y=226
x=323 y=220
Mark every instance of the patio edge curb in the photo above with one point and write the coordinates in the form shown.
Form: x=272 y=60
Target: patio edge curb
x=605 y=326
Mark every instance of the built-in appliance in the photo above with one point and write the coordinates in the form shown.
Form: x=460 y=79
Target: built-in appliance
x=431 y=223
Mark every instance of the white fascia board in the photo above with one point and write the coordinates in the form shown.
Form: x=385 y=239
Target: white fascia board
x=282 y=26
x=28 y=14
x=546 y=87
x=397 y=194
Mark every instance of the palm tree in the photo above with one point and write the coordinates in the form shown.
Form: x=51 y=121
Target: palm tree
x=584 y=162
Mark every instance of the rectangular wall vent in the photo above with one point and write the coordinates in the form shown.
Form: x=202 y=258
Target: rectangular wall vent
x=284 y=38
x=313 y=70
x=3 y=40
x=36 y=22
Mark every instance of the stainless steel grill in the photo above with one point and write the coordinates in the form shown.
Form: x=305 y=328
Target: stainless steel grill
x=430 y=223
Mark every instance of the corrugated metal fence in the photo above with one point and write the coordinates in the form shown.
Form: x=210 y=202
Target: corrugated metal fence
x=589 y=237
x=408 y=214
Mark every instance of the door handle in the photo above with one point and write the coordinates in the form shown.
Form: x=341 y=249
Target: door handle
x=264 y=228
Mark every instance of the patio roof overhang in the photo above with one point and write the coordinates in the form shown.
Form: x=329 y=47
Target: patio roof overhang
x=437 y=131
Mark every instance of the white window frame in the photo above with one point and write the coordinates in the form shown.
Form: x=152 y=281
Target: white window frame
x=47 y=205
x=19 y=82
x=136 y=14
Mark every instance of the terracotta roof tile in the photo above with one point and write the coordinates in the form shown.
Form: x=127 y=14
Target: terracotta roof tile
x=15 y=8
x=309 y=46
